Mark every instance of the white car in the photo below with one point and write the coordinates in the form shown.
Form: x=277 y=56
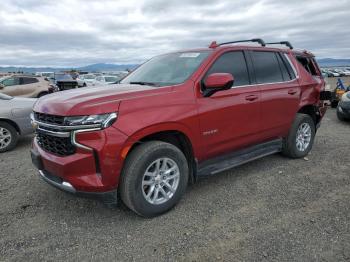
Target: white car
x=86 y=80
x=344 y=71
x=106 y=80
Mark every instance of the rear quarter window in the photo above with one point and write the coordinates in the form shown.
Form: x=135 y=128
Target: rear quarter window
x=308 y=63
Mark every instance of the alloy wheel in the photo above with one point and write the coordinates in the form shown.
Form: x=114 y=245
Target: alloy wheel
x=303 y=137
x=160 y=181
x=5 y=138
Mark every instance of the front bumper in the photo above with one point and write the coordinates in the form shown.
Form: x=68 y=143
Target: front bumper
x=109 y=198
x=92 y=171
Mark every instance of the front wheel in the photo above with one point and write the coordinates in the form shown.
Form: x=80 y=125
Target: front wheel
x=300 y=138
x=154 y=178
x=8 y=137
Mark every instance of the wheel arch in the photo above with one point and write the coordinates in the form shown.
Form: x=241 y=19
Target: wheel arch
x=12 y=123
x=312 y=111
x=175 y=136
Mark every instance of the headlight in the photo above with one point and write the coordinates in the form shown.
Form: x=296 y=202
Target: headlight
x=102 y=121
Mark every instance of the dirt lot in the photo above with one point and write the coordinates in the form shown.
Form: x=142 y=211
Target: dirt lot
x=272 y=209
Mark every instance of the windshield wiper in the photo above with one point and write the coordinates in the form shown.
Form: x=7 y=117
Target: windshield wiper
x=143 y=83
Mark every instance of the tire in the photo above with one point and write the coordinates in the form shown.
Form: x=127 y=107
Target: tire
x=145 y=158
x=295 y=147
x=42 y=94
x=8 y=137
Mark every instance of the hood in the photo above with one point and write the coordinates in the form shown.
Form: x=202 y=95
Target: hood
x=89 y=101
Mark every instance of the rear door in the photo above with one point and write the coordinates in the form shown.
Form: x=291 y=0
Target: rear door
x=230 y=119
x=280 y=92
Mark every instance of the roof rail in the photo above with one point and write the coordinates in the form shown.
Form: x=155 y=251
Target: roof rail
x=257 y=40
x=287 y=43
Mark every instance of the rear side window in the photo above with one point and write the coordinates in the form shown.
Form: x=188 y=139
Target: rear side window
x=233 y=63
x=267 y=69
x=308 y=64
x=285 y=73
x=28 y=80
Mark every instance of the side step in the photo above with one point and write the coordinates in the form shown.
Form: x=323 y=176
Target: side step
x=221 y=163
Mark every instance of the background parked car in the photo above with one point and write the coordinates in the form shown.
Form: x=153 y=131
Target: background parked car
x=106 y=80
x=64 y=81
x=14 y=120
x=24 y=86
x=85 y=80
x=344 y=71
x=343 y=109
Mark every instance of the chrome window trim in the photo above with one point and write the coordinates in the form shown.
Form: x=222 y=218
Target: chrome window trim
x=272 y=83
x=291 y=64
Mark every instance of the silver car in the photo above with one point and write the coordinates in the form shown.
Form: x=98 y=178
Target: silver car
x=14 y=120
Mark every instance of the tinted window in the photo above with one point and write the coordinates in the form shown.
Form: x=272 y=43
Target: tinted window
x=233 y=63
x=266 y=66
x=288 y=64
x=10 y=81
x=29 y=80
x=307 y=63
x=285 y=74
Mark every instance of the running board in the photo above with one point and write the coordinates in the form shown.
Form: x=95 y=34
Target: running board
x=221 y=163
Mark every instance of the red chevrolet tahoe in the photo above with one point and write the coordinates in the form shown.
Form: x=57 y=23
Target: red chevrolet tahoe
x=177 y=117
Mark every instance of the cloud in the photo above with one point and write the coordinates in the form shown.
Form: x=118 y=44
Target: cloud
x=78 y=32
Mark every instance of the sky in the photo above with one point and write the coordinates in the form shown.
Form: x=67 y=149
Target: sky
x=80 y=32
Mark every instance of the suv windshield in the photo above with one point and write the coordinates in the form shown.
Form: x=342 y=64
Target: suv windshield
x=169 y=69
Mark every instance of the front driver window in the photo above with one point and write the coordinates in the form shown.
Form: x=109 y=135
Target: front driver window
x=233 y=63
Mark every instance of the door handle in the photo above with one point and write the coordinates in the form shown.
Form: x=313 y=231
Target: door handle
x=251 y=97
x=292 y=92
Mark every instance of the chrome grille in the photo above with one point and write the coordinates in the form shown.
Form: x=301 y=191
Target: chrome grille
x=49 y=119
x=60 y=146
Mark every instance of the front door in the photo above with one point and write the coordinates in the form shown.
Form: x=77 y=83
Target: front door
x=230 y=119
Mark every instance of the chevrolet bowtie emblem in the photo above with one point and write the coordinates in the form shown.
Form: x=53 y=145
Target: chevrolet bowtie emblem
x=34 y=124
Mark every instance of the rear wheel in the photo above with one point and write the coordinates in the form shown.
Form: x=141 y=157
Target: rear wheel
x=300 y=138
x=8 y=137
x=154 y=178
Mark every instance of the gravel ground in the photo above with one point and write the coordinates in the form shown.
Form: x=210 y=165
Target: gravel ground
x=272 y=209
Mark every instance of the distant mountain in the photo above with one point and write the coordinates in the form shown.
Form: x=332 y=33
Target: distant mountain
x=106 y=67
x=325 y=62
x=101 y=67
